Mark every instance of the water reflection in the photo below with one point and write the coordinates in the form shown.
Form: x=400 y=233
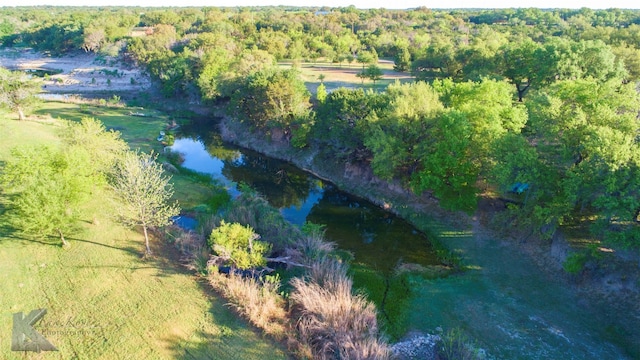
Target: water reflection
x=375 y=237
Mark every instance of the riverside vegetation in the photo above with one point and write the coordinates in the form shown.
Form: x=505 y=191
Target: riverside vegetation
x=316 y=289
x=99 y=283
x=537 y=109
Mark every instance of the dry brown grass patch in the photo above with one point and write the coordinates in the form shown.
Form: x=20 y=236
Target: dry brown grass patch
x=257 y=300
x=333 y=322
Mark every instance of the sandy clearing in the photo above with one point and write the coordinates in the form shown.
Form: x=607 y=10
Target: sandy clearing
x=79 y=73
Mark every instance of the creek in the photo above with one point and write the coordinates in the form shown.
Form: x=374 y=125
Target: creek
x=510 y=309
x=377 y=239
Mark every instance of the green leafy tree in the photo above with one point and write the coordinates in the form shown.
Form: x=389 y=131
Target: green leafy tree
x=402 y=59
x=272 y=98
x=45 y=189
x=526 y=63
x=447 y=164
x=630 y=57
x=104 y=147
x=373 y=73
x=17 y=92
x=239 y=245
x=367 y=58
x=585 y=133
x=321 y=93
x=340 y=121
x=393 y=134
x=440 y=59
x=144 y=193
x=214 y=64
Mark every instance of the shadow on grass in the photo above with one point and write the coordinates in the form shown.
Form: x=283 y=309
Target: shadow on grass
x=8 y=232
x=236 y=338
x=215 y=347
x=12 y=233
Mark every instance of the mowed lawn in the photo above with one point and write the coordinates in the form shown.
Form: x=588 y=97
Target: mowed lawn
x=103 y=300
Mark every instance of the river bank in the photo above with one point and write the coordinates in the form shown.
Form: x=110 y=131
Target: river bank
x=515 y=287
x=515 y=299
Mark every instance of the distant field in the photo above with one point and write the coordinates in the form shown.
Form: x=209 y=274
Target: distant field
x=344 y=75
x=103 y=300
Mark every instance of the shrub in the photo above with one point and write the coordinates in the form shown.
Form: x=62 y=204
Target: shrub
x=575 y=263
x=312 y=246
x=455 y=345
x=252 y=210
x=239 y=245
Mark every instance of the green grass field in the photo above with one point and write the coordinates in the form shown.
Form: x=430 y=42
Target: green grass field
x=103 y=300
x=336 y=75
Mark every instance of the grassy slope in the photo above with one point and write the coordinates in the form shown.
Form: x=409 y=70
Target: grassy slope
x=103 y=301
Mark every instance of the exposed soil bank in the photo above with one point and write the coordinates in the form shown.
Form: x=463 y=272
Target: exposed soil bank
x=515 y=300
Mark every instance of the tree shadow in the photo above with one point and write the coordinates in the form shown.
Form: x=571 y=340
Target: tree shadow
x=13 y=233
x=228 y=344
x=127 y=249
x=8 y=232
x=231 y=340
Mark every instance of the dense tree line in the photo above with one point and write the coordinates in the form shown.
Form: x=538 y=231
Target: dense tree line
x=539 y=105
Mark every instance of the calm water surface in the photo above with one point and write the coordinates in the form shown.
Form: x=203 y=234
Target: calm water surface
x=377 y=238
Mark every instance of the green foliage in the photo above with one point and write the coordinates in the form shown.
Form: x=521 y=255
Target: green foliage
x=321 y=93
x=104 y=147
x=442 y=149
x=239 y=244
x=585 y=132
x=214 y=65
x=271 y=99
x=300 y=134
x=144 y=192
x=46 y=189
x=455 y=344
x=373 y=73
x=252 y=210
x=575 y=262
x=311 y=229
x=340 y=120
x=402 y=60
x=17 y=92
x=448 y=170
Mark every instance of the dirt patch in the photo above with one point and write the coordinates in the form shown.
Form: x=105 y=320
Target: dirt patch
x=79 y=73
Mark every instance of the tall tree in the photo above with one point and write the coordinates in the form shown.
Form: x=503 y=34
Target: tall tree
x=272 y=98
x=402 y=59
x=17 y=92
x=525 y=63
x=373 y=73
x=144 y=191
x=104 y=147
x=585 y=133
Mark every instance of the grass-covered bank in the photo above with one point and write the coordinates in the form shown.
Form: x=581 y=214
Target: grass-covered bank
x=103 y=300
